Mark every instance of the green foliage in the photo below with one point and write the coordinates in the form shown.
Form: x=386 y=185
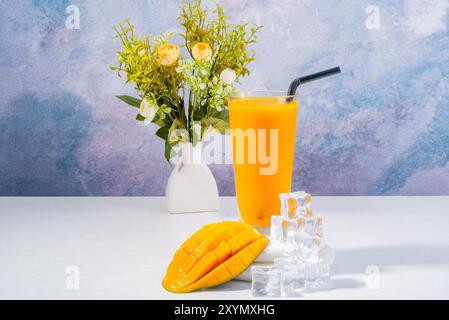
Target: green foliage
x=140 y=62
x=165 y=87
x=229 y=42
x=133 y=102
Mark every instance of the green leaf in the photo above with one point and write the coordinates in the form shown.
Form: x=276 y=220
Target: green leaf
x=224 y=115
x=162 y=133
x=157 y=121
x=199 y=114
x=133 y=102
x=168 y=151
x=140 y=118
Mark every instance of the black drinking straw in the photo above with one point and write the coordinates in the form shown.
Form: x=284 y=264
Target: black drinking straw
x=313 y=77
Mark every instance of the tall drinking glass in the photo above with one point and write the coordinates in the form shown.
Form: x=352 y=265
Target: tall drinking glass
x=263 y=128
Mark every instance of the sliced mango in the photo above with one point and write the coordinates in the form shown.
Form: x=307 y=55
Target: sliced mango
x=214 y=255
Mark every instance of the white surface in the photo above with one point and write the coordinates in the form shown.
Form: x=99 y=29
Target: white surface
x=123 y=246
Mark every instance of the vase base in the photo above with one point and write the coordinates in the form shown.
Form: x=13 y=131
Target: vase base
x=192 y=187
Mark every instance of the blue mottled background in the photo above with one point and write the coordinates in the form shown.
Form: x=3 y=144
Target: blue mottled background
x=382 y=128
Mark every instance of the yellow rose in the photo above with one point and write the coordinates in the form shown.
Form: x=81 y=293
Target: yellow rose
x=202 y=52
x=169 y=54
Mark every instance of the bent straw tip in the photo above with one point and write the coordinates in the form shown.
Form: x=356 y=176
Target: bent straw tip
x=313 y=77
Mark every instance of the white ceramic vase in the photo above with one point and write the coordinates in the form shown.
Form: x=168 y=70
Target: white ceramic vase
x=192 y=187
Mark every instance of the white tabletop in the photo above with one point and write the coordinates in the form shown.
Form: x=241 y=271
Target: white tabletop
x=122 y=246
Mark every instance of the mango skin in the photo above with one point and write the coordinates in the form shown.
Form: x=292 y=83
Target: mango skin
x=216 y=254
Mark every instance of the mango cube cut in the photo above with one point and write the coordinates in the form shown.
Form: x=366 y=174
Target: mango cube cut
x=213 y=256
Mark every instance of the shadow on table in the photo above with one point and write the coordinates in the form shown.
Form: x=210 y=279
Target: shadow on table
x=358 y=259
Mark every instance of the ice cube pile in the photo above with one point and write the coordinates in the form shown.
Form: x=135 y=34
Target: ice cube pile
x=307 y=263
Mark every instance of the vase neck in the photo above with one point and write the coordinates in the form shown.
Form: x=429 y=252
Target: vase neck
x=192 y=154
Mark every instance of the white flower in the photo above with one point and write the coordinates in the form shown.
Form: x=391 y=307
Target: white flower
x=228 y=77
x=148 y=110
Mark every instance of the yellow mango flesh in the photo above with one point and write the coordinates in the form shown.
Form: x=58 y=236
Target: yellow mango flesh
x=213 y=256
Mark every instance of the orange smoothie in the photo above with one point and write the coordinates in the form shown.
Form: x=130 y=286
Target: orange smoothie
x=264 y=136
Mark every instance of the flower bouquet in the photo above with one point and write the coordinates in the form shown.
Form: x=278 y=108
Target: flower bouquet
x=183 y=89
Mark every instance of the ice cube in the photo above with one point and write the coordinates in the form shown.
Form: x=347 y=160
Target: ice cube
x=293 y=276
x=317 y=276
x=276 y=232
x=295 y=225
x=303 y=246
x=266 y=281
x=310 y=225
x=327 y=254
x=281 y=226
x=319 y=226
x=297 y=204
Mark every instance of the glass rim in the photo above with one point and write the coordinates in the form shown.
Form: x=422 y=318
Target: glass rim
x=254 y=94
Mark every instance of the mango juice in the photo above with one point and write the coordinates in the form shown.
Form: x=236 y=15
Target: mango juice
x=264 y=135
